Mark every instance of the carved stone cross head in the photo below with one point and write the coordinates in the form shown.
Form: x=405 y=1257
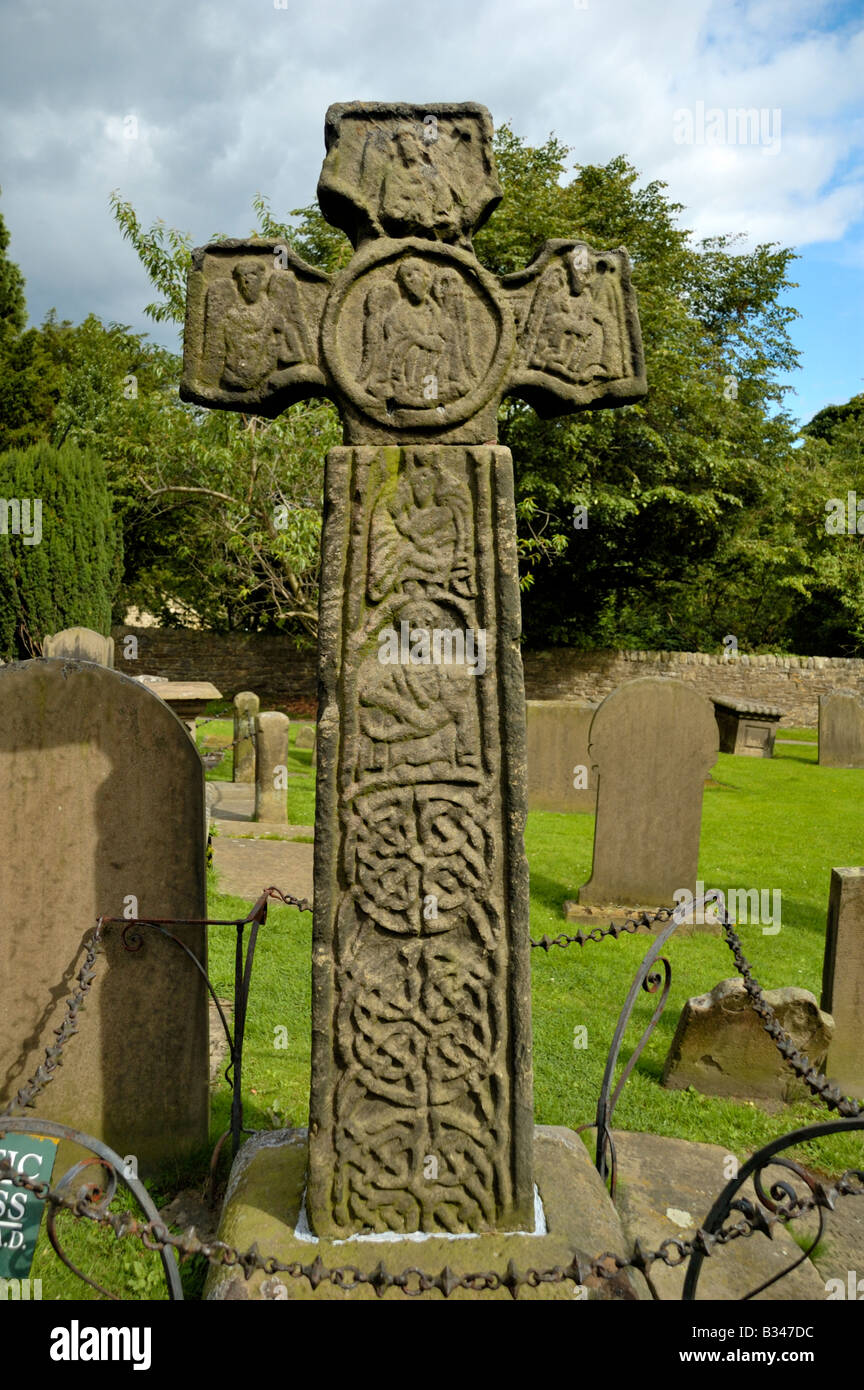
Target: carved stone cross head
x=414 y=341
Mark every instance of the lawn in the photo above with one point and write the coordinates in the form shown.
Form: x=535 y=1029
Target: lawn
x=778 y=823
x=767 y=823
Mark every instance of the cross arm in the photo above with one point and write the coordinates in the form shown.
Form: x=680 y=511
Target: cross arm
x=253 y=310
x=578 y=341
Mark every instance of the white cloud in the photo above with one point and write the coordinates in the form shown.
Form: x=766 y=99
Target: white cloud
x=230 y=99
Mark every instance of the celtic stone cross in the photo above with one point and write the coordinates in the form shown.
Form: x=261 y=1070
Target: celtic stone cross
x=421 y=1104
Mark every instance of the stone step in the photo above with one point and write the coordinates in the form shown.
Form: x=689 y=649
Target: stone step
x=667 y=1186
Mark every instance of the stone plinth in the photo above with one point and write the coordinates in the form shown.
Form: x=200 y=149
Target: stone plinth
x=721 y=1047
x=264 y=1202
x=560 y=775
x=841 y=729
x=843 y=979
x=745 y=728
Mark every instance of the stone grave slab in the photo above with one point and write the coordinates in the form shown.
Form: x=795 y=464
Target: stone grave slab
x=721 y=1047
x=654 y=741
x=271 y=767
x=666 y=1188
x=246 y=709
x=80 y=644
x=101 y=809
x=560 y=774
x=843 y=979
x=841 y=729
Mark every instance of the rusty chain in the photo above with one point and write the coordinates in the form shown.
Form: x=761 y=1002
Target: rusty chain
x=673 y=1252
x=46 y=1070
x=634 y=923
x=815 y=1080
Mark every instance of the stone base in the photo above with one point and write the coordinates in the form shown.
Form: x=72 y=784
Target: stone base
x=589 y=915
x=265 y=1197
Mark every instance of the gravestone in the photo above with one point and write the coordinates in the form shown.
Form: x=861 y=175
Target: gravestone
x=721 y=1048
x=560 y=775
x=421 y=1101
x=271 y=763
x=653 y=742
x=306 y=736
x=246 y=707
x=101 y=808
x=841 y=729
x=843 y=979
x=746 y=728
x=80 y=644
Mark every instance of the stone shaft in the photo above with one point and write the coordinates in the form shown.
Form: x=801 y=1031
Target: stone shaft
x=246 y=707
x=271 y=759
x=421 y=1106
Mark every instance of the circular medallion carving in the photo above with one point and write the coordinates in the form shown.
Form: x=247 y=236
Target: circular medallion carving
x=414 y=335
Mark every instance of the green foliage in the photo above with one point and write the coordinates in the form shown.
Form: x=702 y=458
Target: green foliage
x=69 y=574
x=13 y=307
x=705 y=516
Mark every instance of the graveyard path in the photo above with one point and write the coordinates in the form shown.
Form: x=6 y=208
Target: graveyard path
x=245 y=866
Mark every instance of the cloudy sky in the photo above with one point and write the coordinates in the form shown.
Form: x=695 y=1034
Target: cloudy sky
x=228 y=99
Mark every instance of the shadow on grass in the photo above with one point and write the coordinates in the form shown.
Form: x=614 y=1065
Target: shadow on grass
x=551 y=892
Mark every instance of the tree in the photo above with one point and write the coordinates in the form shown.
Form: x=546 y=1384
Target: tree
x=665 y=485
x=60 y=549
x=224 y=513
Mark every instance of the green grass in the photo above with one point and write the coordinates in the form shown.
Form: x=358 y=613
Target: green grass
x=767 y=823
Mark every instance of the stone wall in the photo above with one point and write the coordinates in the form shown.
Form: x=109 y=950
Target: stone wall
x=282 y=675
x=791 y=683
x=269 y=664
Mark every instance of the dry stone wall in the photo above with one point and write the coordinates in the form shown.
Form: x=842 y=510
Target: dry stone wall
x=281 y=674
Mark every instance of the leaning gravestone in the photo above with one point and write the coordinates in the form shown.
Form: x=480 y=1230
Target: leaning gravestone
x=841 y=729
x=721 y=1047
x=421 y=1100
x=246 y=706
x=80 y=644
x=653 y=741
x=560 y=775
x=843 y=979
x=101 y=807
x=271 y=764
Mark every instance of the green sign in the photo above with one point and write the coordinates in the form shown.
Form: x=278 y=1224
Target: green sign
x=20 y=1210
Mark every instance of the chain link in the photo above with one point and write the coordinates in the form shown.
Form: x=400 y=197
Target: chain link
x=675 y=1251
x=636 y=922
x=46 y=1070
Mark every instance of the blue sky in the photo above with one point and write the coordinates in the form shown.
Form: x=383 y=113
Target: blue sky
x=229 y=98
